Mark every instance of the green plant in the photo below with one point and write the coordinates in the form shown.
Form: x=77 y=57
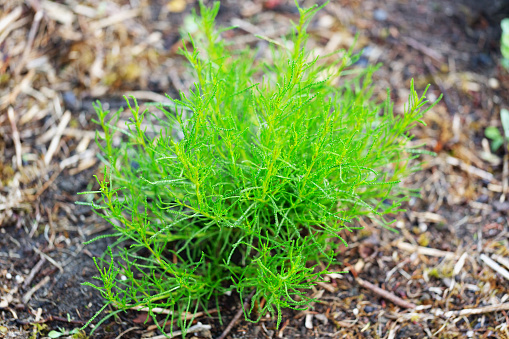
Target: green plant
x=246 y=182
x=504 y=43
x=61 y=332
x=493 y=133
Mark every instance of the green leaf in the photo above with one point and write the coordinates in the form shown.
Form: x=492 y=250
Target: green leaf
x=55 y=334
x=505 y=25
x=504 y=47
x=505 y=63
x=495 y=145
x=504 y=116
x=492 y=133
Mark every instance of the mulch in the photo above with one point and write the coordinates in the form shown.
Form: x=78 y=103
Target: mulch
x=445 y=274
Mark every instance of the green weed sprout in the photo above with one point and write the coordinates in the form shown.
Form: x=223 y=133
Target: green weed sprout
x=250 y=182
x=504 y=43
x=492 y=133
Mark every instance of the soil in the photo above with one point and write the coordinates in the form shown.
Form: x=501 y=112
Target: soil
x=437 y=260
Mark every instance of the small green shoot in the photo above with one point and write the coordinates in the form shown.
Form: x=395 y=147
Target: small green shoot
x=61 y=332
x=493 y=133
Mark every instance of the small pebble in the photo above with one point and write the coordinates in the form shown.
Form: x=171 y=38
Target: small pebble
x=423 y=227
x=308 y=322
x=326 y=21
x=369 y=309
x=322 y=318
x=380 y=15
x=447 y=281
x=134 y=165
x=493 y=83
x=501 y=206
x=483 y=198
x=362 y=62
x=484 y=59
x=70 y=99
x=355 y=311
x=472 y=288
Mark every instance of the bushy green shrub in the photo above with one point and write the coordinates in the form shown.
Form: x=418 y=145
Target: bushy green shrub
x=250 y=181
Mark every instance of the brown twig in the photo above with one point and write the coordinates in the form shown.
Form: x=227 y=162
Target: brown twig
x=385 y=294
x=34 y=289
x=236 y=317
x=199 y=327
x=10 y=18
x=432 y=252
x=31 y=36
x=285 y=324
x=440 y=85
x=502 y=260
x=470 y=169
x=17 y=90
x=33 y=272
x=15 y=136
x=184 y=316
x=45 y=186
x=50 y=318
x=424 y=49
x=480 y=310
x=505 y=178
x=66 y=118
x=50 y=259
x=157 y=310
x=494 y=266
x=126 y=331
x=326 y=286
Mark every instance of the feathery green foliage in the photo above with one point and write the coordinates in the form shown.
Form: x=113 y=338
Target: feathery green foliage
x=247 y=182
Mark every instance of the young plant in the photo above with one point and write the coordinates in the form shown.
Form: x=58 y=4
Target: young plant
x=61 y=332
x=492 y=133
x=250 y=181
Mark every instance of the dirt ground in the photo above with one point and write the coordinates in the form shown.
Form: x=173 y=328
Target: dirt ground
x=441 y=276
